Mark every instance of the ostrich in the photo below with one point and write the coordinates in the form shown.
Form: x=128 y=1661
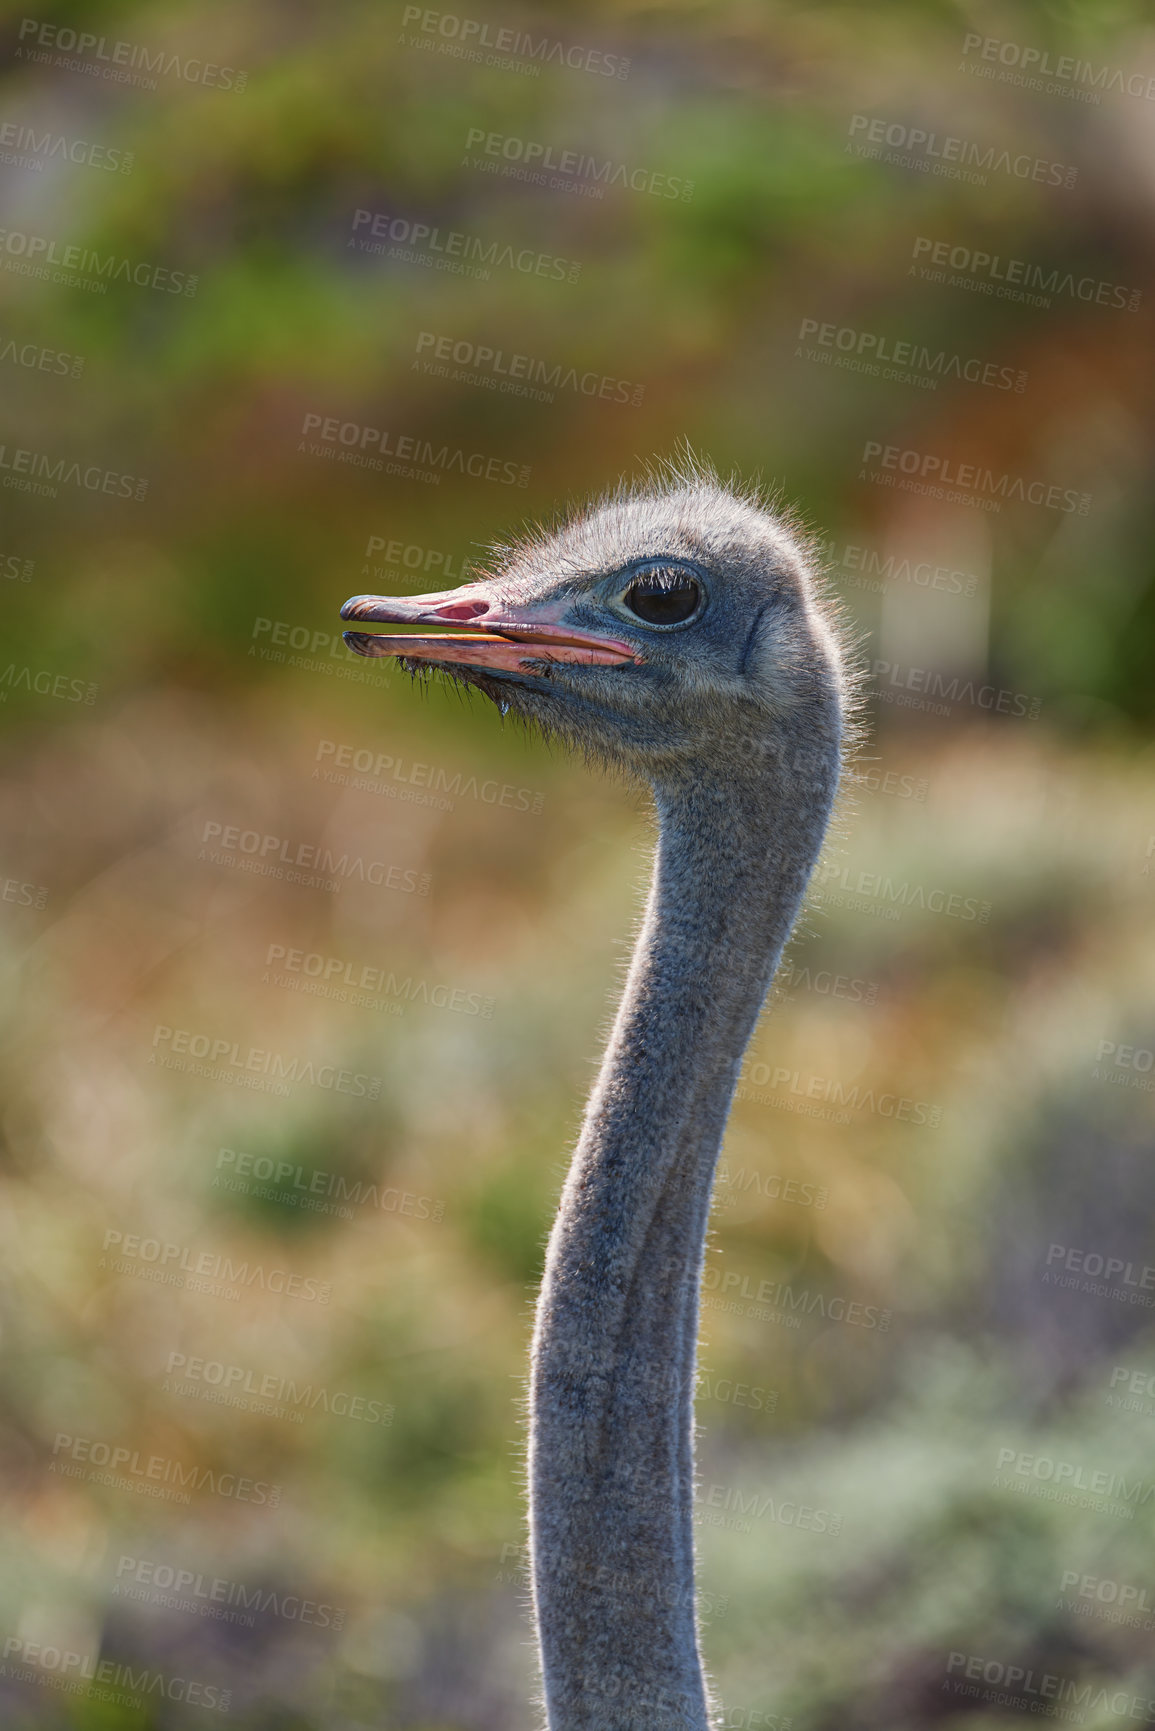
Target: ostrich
x=674 y=632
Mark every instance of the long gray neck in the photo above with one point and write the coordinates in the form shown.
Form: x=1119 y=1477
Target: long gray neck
x=611 y=1407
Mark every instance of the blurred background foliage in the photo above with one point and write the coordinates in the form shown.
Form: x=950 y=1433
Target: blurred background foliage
x=172 y=667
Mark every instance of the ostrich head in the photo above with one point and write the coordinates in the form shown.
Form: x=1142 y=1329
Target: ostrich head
x=657 y=631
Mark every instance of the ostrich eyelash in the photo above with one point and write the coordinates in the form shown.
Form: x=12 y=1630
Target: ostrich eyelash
x=662 y=576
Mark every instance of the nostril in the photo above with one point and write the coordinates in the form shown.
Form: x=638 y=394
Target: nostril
x=463 y=610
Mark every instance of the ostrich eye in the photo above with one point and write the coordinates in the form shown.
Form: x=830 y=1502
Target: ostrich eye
x=664 y=595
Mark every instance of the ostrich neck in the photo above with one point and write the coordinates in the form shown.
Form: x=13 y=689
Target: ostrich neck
x=611 y=1424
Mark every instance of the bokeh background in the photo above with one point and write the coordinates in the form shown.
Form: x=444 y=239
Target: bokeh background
x=283 y=1133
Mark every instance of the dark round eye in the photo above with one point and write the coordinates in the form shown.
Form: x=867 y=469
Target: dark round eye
x=663 y=596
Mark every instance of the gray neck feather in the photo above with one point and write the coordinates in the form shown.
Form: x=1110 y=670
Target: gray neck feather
x=611 y=1408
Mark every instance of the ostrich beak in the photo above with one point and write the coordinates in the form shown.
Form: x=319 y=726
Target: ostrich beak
x=500 y=637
